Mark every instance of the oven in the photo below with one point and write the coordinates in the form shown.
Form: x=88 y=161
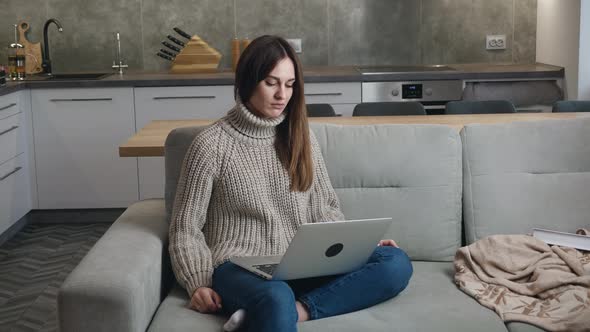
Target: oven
x=432 y=94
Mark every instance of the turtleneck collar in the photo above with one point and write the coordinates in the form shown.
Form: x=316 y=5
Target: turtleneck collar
x=252 y=126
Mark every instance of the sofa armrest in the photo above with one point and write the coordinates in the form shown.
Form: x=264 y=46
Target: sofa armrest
x=121 y=281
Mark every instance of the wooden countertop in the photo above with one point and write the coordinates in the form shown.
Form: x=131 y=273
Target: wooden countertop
x=149 y=141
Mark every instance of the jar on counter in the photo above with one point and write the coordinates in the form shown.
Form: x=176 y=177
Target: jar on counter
x=16 y=62
x=2 y=75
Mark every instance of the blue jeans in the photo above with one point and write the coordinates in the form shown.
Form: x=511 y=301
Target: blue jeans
x=270 y=305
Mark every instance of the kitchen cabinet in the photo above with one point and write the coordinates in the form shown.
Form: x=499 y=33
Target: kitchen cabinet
x=174 y=103
x=76 y=135
x=343 y=96
x=17 y=193
x=528 y=95
x=11 y=132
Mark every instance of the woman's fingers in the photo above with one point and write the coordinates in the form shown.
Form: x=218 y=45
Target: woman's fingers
x=205 y=300
x=208 y=302
x=217 y=299
x=196 y=302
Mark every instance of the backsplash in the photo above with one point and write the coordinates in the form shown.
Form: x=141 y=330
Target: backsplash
x=333 y=32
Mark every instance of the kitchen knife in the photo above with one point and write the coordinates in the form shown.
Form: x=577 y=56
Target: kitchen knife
x=182 y=33
x=176 y=41
x=167 y=52
x=170 y=46
x=164 y=56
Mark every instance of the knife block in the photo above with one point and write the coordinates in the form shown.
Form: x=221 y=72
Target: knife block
x=196 y=57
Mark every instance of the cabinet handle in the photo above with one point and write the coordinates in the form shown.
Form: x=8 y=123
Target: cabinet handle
x=324 y=94
x=8 y=130
x=10 y=173
x=6 y=107
x=83 y=99
x=184 y=97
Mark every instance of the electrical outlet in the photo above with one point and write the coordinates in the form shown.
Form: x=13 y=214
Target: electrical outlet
x=296 y=44
x=495 y=42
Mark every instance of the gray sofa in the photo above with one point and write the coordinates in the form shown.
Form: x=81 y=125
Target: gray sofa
x=503 y=178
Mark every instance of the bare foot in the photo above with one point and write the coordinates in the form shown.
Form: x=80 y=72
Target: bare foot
x=302 y=312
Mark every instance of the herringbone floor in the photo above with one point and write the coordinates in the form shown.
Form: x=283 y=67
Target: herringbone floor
x=33 y=265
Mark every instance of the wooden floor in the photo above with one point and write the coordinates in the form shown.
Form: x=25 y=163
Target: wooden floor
x=34 y=264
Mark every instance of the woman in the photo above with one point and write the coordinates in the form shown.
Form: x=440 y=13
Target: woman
x=248 y=181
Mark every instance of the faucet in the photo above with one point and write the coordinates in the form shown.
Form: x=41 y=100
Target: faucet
x=118 y=64
x=46 y=59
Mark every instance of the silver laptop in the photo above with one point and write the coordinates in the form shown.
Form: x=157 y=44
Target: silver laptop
x=321 y=249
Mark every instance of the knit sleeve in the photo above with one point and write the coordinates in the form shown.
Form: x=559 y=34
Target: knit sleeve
x=189 y=253
x=324 y=203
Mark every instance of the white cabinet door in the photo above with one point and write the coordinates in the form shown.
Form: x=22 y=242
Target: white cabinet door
x=15 y=199
x=12 y=136
x=25 y=107
x=343 y=96
x=174 y=103
x=9 y=105
x=77 y=133
x=16 y=188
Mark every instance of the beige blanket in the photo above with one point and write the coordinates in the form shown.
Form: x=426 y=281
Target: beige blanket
x=523 y=279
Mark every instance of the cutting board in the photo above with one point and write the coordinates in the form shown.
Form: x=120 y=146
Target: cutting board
x=32 y=50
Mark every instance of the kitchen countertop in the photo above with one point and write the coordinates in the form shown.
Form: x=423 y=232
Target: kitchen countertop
x=320 y=74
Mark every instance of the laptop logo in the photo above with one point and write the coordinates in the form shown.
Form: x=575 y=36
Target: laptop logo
x=334 y=250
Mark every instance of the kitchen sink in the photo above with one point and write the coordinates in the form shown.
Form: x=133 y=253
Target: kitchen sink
x=78 y=76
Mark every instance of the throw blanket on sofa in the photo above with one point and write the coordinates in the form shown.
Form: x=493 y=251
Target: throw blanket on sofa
x=523 y=279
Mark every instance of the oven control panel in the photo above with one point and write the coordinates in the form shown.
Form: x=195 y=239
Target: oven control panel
x=442 y=90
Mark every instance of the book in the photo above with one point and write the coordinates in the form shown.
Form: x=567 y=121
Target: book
x=578 y=241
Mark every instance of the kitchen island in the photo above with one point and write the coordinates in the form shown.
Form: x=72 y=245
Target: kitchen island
x=149 y=141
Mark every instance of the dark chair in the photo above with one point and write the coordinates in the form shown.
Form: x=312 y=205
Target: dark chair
x=319 y=110
x=389 y=108
x=571 y=106
x=479 y=107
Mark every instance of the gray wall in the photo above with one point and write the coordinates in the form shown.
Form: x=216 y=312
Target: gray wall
x=334 y=32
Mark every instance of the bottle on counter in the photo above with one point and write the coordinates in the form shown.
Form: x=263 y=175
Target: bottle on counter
x=2 y=75
x=235 y=53
x=237 y=47
x=245 y=43
x=16 y=59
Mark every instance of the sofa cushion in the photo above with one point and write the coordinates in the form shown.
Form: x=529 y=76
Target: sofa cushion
x=175 y=315
x=431 y=302
x=522 y=175
x=411 y=173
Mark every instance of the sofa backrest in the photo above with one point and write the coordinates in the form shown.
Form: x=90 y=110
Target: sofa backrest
x=411 y=173
x=175 y=148
x=522 y=175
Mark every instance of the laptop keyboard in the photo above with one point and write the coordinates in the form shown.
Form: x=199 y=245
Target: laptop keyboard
x=266 y=268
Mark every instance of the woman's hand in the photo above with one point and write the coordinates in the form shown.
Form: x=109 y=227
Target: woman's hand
x=389 y=243
x=205 y=300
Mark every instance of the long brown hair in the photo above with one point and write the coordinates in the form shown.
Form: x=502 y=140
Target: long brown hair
x=292 y=143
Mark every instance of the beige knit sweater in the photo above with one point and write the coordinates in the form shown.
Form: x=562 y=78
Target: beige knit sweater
x=233 y=198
